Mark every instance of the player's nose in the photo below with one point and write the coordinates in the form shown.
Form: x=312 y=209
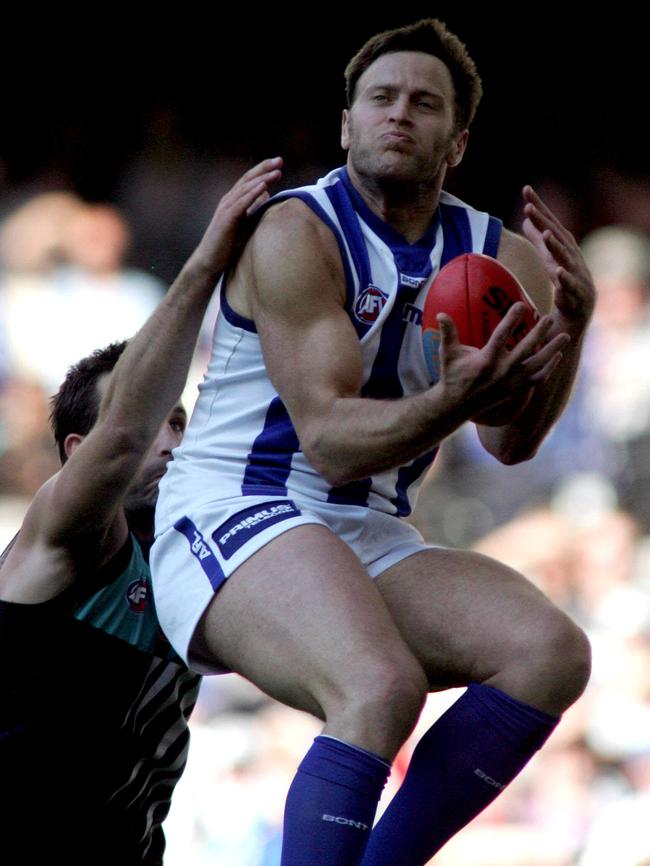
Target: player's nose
x=400 y=109
x=167 y=440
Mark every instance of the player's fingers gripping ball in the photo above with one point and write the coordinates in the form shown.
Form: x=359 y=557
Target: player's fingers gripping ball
x=476 y=291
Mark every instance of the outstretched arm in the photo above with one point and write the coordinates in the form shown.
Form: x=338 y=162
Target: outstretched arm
x=80 y=509
x=151 y=373
x=552 y=268
x=154 y=365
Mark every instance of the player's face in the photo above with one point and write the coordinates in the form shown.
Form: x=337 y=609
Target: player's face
x=143 y=492
x=401 y=126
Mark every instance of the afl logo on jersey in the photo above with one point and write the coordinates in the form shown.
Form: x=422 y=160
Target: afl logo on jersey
x=136 y=595
x=369 y=305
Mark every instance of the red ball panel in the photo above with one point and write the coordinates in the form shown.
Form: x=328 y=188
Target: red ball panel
x=476 y=291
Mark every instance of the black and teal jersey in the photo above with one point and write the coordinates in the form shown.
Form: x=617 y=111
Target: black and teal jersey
x=94 y=706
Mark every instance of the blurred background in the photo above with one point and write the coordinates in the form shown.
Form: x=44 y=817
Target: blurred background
x=117 y=140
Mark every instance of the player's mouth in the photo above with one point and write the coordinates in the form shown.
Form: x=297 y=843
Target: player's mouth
x=394 y=137
x=153 y=477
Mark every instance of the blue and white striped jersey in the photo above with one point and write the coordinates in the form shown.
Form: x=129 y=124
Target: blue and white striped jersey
x=241 y=441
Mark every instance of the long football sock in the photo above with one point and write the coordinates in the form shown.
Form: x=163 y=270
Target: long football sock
x=331 y=805
x=458 y=768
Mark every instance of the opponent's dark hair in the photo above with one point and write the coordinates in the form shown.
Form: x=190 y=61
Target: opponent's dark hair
x=75 y=406
x=431 y=37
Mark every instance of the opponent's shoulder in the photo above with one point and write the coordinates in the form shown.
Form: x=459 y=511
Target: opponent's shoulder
x=29 y=562
x=34 y=525
x=49 y=552
x=519 y=255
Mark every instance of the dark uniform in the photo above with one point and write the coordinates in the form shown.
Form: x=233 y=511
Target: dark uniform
x=93 y=722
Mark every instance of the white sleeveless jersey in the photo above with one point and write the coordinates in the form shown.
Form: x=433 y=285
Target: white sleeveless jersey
x=240 y=440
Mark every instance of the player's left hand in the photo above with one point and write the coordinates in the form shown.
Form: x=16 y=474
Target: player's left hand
x=575 y=295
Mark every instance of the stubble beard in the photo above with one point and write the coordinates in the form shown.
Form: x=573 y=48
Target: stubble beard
x=403 y=178
x=140 y=504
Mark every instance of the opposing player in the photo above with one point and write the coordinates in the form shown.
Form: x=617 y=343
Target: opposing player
x=280 y=549
x=93 y=718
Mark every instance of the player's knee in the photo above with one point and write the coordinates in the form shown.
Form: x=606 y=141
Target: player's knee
x=562 y=650
x=392 y=695
x=402 y=694
x=577 y=651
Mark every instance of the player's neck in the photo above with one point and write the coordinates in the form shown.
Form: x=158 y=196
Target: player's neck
x=406 y=207
x=141 y=524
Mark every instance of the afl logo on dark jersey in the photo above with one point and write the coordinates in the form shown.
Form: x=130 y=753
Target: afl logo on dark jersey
x=369 y=305
x=136 y=595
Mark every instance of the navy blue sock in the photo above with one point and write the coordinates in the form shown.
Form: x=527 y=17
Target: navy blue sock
x=458 y=768
x=331 y=805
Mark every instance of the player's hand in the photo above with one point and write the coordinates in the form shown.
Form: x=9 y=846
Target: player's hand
x=575 y=295
x=221 y=236
x=480 y=379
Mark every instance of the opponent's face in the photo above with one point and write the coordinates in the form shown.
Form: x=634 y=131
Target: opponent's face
x=401 y=125
x=143 y=492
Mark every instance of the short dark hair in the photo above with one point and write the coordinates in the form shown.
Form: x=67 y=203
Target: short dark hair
x=75 y=406
x=431 y=37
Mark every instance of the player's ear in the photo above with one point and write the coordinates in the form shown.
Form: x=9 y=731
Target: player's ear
x=71 y=442
x=457 y=148
x=345 y=129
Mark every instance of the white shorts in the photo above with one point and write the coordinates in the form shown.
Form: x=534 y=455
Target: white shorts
x=191 y=560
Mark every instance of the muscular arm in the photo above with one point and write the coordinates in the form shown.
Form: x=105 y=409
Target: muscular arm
x=78 y=515
x=312 y=353
x=550 y=266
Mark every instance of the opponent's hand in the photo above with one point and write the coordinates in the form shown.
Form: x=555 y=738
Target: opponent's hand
x=479 y=379
x=575 y=295
x=220 y=238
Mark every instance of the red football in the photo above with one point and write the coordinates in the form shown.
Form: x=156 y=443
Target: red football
x=476 y=291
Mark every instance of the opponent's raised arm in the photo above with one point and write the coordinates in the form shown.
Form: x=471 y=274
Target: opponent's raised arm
x=552 y=269
x=151 y=373
x=314 y=360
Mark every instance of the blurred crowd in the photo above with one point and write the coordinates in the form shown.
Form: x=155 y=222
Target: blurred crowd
x=575 y=521
x=64 y=291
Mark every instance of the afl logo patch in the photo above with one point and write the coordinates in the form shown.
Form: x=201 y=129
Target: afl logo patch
x=369 y=305
x=136 y=595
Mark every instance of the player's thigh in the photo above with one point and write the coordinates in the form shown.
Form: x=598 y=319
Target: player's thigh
x=462 y=613
x=302 y=619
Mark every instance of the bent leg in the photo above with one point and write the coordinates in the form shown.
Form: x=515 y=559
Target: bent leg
x=470 y=620
x=303 y=621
